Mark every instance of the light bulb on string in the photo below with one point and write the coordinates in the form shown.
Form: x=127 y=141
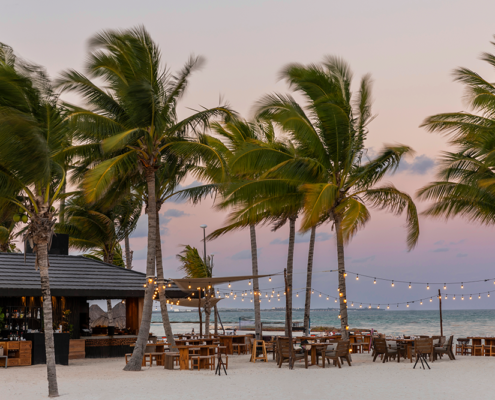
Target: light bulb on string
x=297 y=294
x=393 y=284
x=229 y=284
x=445 y=297
x=374 y=281
x=345 y=300
x=479 y=296
x=378 y=307
x=336 y=300
x=407 y=305
x=270 y=279
x=462 y=285
x=388 y=306
x=320 y=294
x=249 y=283
x=470 y=297
x=340 y=316
x=431 y=299
x=312 y=292
x=444 y=286
x=421 y=302
x=352 y=304
x=453 y=298
x=328 y=298
x=462 y=298
x=357 y=277
x=345 y=274
x=369 y=306
x=488 y=295
x=341 y=294
x=360 y=306
x=427 y=286
x=410 y=285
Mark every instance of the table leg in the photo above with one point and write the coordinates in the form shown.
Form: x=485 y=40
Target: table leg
x=313 y=355
x=184 y=358
x=409 y=351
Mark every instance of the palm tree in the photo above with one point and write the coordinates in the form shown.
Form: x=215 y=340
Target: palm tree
x=329 y=171
x=466 y=177
x=134 y=116
x=33 y=133
x=196 y=267
x=93 y=228
x=243 y=140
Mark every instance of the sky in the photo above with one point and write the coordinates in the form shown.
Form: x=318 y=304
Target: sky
x=409 y=48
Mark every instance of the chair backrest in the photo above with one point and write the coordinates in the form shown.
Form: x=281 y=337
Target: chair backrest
x=451 y=340
x=284 y=346
x=380 y=345
x=359 y=339
x=423 y=345
x=343 y=347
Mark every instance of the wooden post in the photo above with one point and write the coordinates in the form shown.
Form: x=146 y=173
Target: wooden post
x=440 y=305
x=288 y=318
x=200 y=314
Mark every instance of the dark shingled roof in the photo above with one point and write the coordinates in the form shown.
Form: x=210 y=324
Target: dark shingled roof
x=72 y=276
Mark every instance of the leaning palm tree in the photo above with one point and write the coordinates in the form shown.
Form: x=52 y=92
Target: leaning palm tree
x=196 y=267
x=98 y=230
x=133 y=114
x=33 y=133
x=329 y=170
x=466 y=177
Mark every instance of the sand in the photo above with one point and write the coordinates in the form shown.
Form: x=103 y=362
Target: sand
x=466 y=378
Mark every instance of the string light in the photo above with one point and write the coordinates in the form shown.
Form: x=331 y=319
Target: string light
x=470 y=297
x=357 y=277
x=360 y=306
x=445 y=286
x=488 y=294
x=409 y=285
x=328 y=298
x=229 y=284
x=388 y=306
x=431 y=299
x=453 y=297
x=445 y=297
x=297 y=294
x=407 y=304
x=393 y=284
x=249 y=283
x=270 y=279
x=462 y=285
x=427 y=286
x=462 y=298
x=345 y=274
x=421 y=302
x=479 y=296
x=374 y=281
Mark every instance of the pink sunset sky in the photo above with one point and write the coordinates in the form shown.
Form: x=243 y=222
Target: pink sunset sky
x=410 y=48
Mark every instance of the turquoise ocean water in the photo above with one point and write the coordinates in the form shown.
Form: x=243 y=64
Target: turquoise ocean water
x=459 y=323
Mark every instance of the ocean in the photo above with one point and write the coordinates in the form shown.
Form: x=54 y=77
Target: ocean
x=459 y=323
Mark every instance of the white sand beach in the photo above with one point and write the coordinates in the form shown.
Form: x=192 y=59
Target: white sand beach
x=92 y=379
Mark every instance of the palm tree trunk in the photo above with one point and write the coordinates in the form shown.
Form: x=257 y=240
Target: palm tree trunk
x=207 y=312
x=256 y=285
x=215 y=311
x=110 y=312
x=161 y=286
x=62 y=205
x=344 y=323
x=134 y=363
x=128 y=253
x=43 y=264
x=200 y=314
x=309 y=276
x=290 y=269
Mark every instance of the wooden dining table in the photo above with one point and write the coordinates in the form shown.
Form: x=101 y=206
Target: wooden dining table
x=407 y=342
x=204 y=350
x=478 y=340
x=229 y=340
x=314 y=349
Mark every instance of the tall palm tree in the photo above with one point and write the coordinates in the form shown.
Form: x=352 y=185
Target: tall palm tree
x=93 y=228
x=196 y=267
x=134 y=115
x=243 y=140
x=466 y=176
x=329 y=170
x=33 y=133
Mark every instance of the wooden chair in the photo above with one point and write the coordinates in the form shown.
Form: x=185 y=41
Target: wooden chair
x=477 y=349
x=488 y=350
x=357 y=346
x=210 y=361
x=285 y=349
x=338 y=355
x=445 y=349
x=380 y=348
x=158 y=357
x=145 y=357
x=463 y=347
x=423 y=347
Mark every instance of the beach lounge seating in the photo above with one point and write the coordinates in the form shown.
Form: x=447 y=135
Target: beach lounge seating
x=380 y=348
x=423 y=347
x=445 y=349
x=338 y=355
x=285 y=348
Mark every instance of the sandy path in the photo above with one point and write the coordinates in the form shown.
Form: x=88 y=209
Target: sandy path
x=465 y=378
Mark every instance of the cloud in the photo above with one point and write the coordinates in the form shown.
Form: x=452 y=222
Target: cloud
x=244 y=255
x=461 y=255
x=304 y=238
x=459 y=242
x=142 y=227
x=363 y=260
x=419 y=166
x=439 y=243
x=441 y=250
x=176 y=199
x=174 y=213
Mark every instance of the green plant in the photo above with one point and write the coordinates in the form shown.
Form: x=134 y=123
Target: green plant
x=2 y=317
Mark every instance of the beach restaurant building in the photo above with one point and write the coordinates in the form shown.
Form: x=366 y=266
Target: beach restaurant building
x=74 y=280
